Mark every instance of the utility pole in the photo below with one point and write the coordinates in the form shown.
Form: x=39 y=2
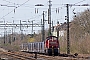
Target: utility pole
x=4 y=33
x=21 y=29
x=68 y=41
x=52 y=26
x=43 y=31
x=57 y=29
x=12 y=34
x=32 y=27
x=6 y=36
x=49 y=17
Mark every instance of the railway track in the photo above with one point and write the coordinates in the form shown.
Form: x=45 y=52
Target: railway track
x=54 y=57
x=29 y=56
x=63 y=58
x=69 y=57
x=18 y=55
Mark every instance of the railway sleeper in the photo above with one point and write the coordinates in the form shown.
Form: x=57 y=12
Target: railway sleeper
x=69 y=55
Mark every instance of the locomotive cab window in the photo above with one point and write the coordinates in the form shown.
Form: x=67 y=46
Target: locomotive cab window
x=51 y=37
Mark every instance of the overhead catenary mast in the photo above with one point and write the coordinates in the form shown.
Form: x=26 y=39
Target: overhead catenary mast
x=49 y=17
x=68 y=41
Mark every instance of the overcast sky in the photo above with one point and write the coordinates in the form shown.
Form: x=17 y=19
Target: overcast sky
x=26 y=10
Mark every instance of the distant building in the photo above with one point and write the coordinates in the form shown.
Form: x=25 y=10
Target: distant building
x=60 y=29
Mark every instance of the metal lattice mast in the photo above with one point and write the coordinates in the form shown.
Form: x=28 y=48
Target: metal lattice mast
x=49 y=17
x=68 y=41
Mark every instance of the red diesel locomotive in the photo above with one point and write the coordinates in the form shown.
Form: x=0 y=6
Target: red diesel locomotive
x=52 y=45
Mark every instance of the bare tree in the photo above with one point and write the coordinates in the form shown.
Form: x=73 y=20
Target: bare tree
x=80 y=32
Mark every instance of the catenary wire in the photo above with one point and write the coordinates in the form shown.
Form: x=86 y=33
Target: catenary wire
x=14 y=8
x=79 y=2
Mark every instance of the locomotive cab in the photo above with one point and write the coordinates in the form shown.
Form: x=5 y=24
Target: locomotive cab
x=52 y=45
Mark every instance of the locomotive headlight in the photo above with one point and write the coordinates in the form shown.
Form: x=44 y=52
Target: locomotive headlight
x=52 y=46
x=58 y=50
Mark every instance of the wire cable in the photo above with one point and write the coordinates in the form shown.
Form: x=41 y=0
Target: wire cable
x=79 y=2
x=14 y=9
x=8 y=1
x=3 y=8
